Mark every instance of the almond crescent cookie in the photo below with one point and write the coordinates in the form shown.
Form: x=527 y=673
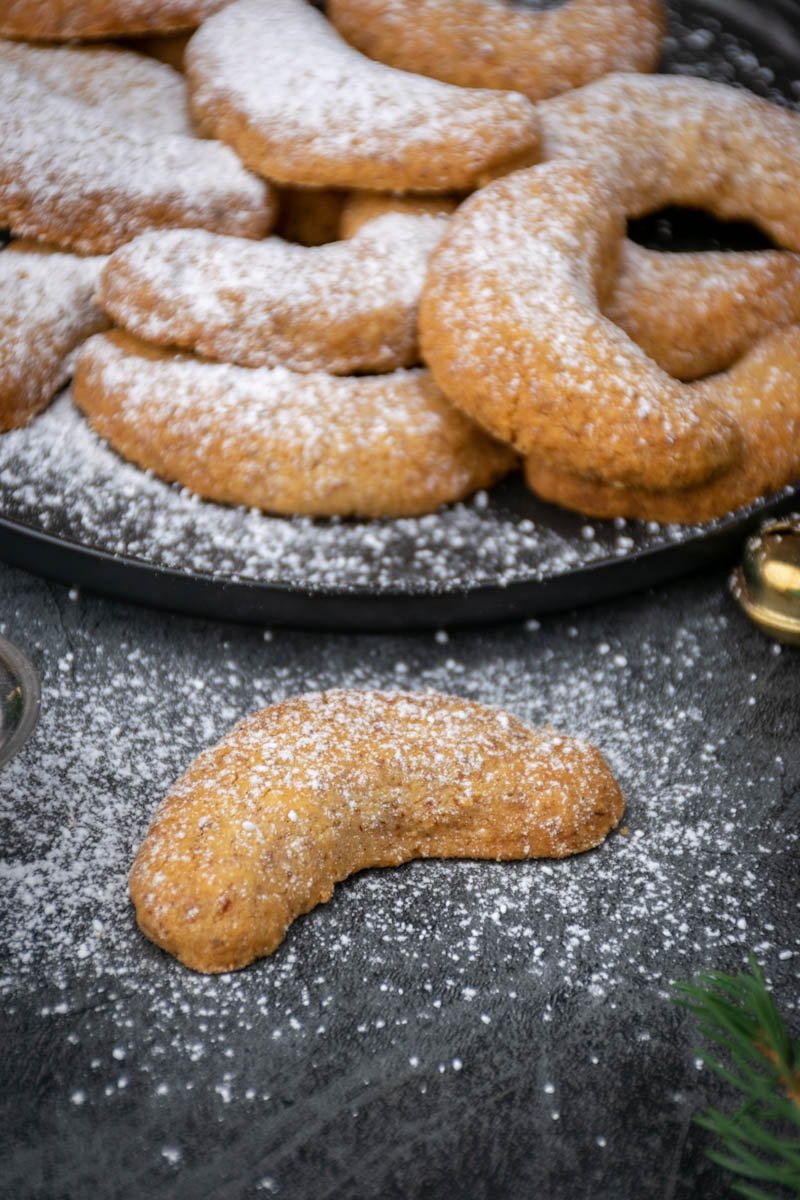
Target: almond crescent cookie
x=128 y=89
x=762 y=393
x=306 y=792
x=512 y=328
x=496 y=44
x=693 y=314
x=344 y=307
x=276 y=81
x=668 y=139
x=88 y=177
x=696 y=314
x=316 y=444
x=48 y=309
x=60 y=20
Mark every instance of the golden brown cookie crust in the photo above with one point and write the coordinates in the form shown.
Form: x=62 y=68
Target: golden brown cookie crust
x=314 y=445
x=48 y=309
x=343 y=308
x=665 y=139
x=61 y=20
x=306 y=792
x=89 y=177
x=511 y=327
x=333 y=118
x=696 y=314
x=474 y=44
x=762 y=393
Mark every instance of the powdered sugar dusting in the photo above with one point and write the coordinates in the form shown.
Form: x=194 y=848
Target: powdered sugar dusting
x=286 y=442
x=47 y=301
x=343 y=307
x=130 y=89
x=512 y=330
x=689 y=882
x=87 y=18
x=332 y=116
x=661 y=140
x=73 y=176
x=55 y=475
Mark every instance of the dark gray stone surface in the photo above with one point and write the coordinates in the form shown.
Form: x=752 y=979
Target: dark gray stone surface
x=447 y=1029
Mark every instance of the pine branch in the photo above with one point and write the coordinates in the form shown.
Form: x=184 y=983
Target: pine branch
x=755 y=1054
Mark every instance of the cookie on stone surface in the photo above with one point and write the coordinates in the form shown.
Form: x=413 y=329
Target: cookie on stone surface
x=306 y=792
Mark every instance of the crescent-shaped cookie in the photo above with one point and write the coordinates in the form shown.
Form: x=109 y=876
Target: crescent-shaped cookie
x=276 y=81
x=316 y=444
x=306 y=792
x=128 y=89
x=80 y=176
x=61 y=20
x=500 y=45
x=762 y=393
x=693 y=314
x=512 y=328
x=47 y=309
x=667 y=139
x=696 y=314
x=344 y=307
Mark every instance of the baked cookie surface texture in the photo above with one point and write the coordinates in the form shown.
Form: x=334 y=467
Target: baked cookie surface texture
x=312 y=444
x=762 y=394
x=495 y=44
x=306 y=792
x=96 y=146
x=60 y=20
x=511 y=325
x=667 y=139
x=344 y=307
x=697 y=313
x=274 y=79
x=47 y=309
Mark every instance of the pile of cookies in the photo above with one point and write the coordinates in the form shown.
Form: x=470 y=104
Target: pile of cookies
x=449 y=183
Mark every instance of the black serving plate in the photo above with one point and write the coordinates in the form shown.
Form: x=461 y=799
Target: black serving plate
x=71 y=510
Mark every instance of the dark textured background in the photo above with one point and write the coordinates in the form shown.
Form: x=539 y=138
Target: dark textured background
x=347 y=1114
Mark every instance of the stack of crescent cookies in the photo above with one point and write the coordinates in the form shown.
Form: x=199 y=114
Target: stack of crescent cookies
x=366 y=262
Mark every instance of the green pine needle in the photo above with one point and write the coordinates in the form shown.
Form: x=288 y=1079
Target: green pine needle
x=757 y=1057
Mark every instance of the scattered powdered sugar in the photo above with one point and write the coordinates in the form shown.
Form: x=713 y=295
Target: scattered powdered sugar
x=47 y=301
x=331 y=115
x=708 y=47
x=692 y=879
x=343 y=307
x=57 y=476
x=286 y=442
x=130 y=89
x=74 y=175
